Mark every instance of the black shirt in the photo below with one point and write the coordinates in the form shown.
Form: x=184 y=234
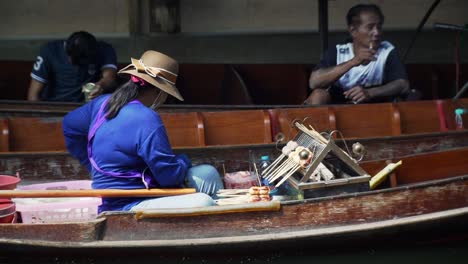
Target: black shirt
x=393 y=70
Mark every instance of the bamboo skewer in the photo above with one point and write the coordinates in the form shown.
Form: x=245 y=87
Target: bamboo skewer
x=271 y=174
x=287 y=176
x=312 y=133
x=290 y=146
x=258 y=176
x=288 y=166
x=105 y=193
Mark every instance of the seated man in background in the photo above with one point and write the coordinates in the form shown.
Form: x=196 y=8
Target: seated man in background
x=362 y=71
x=64 y=67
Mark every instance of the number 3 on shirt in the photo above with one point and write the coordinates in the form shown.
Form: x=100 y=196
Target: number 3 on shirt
x=38 y=63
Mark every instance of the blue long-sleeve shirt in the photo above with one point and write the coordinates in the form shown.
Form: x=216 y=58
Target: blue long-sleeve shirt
x=132 y=141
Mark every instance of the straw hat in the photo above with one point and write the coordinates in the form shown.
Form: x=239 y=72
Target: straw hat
x=156 y=68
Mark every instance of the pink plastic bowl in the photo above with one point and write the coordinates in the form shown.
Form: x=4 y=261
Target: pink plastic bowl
x=8 y=182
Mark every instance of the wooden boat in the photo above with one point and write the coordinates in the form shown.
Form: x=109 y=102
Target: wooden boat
x=264 y=125
x=59 y=165
x=426 y=199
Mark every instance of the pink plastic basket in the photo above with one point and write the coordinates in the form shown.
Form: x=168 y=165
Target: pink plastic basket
x=54 y=210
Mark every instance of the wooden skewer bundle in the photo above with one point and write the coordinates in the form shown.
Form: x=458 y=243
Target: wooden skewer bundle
x=241 y=196
x=285 y=151
x=312 y=133
x=299 y=159
x=316 y=135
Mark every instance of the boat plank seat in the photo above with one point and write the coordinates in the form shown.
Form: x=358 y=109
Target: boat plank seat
x=184 y=129
x=419 y=117
x=36 y=134
x=442 y=165
x=4 y=136
x=237 y=127
x=320 y=118
x=367 y=120
x=449 y=108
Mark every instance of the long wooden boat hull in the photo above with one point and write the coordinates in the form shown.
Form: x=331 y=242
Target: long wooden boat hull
x=428 y=205
x=397 y=215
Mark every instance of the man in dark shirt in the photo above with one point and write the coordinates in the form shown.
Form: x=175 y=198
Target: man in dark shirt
x=64 y=67
x=362 y=71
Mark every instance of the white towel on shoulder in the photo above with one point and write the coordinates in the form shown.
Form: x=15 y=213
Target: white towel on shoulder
x=363 y=75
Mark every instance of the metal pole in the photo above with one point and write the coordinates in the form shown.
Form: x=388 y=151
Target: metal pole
x=463 y=90
x=323 y=24
x=420 y=26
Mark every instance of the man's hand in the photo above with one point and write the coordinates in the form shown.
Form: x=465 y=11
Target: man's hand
x=357 y=95
x=97 y=91
x=363 y=56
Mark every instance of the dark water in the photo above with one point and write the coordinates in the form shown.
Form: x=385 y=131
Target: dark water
x=440 y=254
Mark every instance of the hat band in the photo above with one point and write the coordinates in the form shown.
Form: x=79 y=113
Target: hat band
x=154 y=72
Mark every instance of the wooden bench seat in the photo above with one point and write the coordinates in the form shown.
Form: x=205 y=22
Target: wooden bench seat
x=35 y=134
x=237 y=127
x=367 y=120
x=419 y=117
x=320 y=118
x=184 y=129
x=198 y=129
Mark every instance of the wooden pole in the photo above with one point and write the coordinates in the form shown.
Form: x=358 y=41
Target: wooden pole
x=107 y=193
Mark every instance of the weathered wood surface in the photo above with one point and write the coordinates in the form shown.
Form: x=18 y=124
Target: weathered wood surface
x=296 y=216
x=43 y=166
x=430 y=203
x=72 y=232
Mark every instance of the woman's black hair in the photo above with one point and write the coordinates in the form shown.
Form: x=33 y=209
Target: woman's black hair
x=353 y=16
x=81 y=46
x=126 y=93
x=123 y=95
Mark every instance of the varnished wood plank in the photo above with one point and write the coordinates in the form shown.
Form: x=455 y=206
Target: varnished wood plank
x=4 y=135
x=36 y=134
x=317 y=117
x=366 y=120
x=184 y=129
x=237 y=127
x=419 y=117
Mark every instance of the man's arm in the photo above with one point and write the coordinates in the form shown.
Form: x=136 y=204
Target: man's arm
x=108 y=79
x=394 y=88
x=106 y=83
x=35 y=88
x=322 y=78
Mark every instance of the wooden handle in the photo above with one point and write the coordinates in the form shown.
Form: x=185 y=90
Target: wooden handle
x=94 y=193
x=270 y=206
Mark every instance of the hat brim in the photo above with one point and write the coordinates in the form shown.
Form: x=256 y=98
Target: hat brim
x=161 y=84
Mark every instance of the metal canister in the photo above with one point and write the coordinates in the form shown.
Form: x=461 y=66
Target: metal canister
x=87 y=88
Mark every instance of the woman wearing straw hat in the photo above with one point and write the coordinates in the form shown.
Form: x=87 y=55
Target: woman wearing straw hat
x=124 y=145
